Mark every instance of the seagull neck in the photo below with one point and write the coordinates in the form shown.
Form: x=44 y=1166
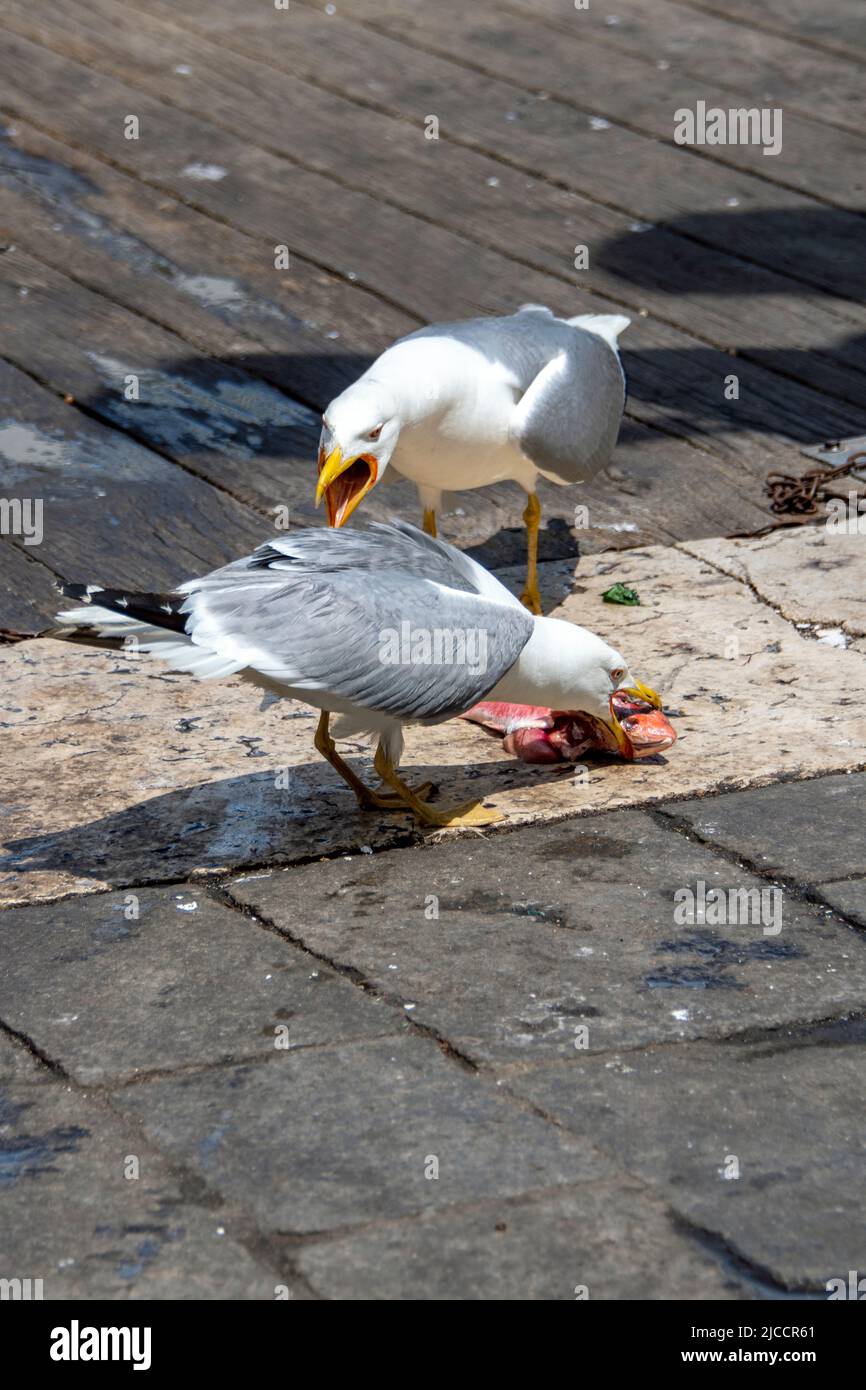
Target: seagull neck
x=421 y=377
x=543 y=674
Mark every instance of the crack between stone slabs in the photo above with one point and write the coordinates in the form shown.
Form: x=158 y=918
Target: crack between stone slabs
x=752 y=1271
x=802 y=892
x=529 y=1197
x=196 y=1191
x=683 y=547
x=648 y=1188
x=413 y=837
x=712 y=1241
x=129 y=1080
x=351 y=973
x=788 y=1036
x=192 y=1188
x=201 y=879
x=29 y=1046
x=856 y=876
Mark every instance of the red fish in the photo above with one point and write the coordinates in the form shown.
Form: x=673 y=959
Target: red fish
x=537 y=735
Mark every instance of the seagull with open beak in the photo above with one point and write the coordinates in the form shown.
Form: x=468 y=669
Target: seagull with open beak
x=464 y=405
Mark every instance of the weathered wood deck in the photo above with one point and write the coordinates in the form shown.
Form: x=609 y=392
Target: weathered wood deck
x=262 y=127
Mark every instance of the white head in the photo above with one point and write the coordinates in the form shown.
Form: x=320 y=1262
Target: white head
x=359 y=433
x=580 y=669
x=568 y=668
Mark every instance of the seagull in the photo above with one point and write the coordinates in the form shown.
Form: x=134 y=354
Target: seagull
x=461 y=405
x=381 y=626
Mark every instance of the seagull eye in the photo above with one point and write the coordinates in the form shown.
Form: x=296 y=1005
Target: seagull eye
x=617 y=674
x=374 y=434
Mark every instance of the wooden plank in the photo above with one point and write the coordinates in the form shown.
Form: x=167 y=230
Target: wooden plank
x=432 y=272
x=239 y=433
x=228 y=427
x=618 y=167
x=723 y=491
x=839 y=26
x=697 y=288
x=577 y=68
x=311 y=333
x=111 y=511
x=28 y=598
x=763 y=68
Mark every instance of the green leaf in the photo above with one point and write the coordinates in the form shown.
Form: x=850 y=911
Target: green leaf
x=620 y=593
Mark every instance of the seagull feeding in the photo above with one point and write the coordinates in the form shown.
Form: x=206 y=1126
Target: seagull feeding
x=462 y=405
x=382 y=627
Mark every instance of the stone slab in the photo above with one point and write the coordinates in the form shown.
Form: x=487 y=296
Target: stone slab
x=847 y=897
x=186 y=982
x=119 y=772
x=810 y=574
x=805 y=834
x=552 y=940
x=18 y=1066
x=787 y=1112
x=556 y=1248
x=341 y=1136
x=70 y=1217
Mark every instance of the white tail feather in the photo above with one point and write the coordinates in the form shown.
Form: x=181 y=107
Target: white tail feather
x=164 y=644
x=607 y=326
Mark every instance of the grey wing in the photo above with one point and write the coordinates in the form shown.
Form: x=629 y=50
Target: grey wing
x=381 y=545
x=387 y=640
x=568 y=419
x=521 y=343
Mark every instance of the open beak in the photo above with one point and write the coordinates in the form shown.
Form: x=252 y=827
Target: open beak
x=344 y=483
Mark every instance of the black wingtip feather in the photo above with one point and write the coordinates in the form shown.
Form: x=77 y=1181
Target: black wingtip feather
x=159 y=610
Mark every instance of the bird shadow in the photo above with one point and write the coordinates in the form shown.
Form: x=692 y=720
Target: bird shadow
x=680 y=255
x=245 y=821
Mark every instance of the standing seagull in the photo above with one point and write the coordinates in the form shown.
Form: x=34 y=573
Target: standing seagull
x=384 y=627
x=461 y=405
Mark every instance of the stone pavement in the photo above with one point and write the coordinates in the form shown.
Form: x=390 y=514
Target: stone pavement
x=487 y=1068
x=120 y=772
x=255 y=1045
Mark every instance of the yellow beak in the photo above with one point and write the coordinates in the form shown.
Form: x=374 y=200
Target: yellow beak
x=332 y=467
x=619 y=733
x=638 y=691
x=644 y=692
x=342 y=485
